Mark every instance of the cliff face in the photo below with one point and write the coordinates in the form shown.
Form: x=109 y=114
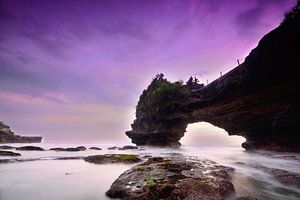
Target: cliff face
x=7 y=136
x=259 y=99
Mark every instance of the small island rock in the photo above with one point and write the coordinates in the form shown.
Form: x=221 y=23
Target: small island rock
x=9 y=153
x=30 y=148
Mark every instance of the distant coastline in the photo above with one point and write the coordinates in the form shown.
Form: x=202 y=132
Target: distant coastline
x=8 y=136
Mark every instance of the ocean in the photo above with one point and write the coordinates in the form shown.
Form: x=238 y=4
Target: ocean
x=46 y=178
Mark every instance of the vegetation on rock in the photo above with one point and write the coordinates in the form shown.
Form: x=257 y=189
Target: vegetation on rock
x=3 y=125
x=162 y=97
x=291 y=15
x=112 y=158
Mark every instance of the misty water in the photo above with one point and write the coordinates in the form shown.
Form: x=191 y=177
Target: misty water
x=48 y=179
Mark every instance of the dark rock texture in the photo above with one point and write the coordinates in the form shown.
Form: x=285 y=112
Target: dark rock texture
x=128 y=147
x=173 y=179
x=30 y=148
x=113 y=148
x=7 y=136
x=259 y=99
x=79 y=148
x=9 y=153
x=95 y=148
x=112 y=158
x=246 y=198
x=7 y=147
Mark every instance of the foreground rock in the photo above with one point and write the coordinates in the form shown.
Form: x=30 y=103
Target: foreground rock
x=9 y=153
x=259 y=99
x=30 y=148
x=79 y=148
x=283 y=176
x=113 y=158
x=246 y=198
x=7 y=136
x=174 y=179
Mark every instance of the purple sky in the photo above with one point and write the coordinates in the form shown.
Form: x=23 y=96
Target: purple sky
x=73 y=70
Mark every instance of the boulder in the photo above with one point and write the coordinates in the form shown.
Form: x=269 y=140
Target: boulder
x=174 y=178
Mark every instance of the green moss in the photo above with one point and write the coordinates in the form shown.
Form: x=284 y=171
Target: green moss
x=112 y=158
x=125 y=157
x=149 y=181
x=162 y=97
x=3 y=125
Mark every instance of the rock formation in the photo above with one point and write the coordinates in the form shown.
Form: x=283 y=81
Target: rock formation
x=30 y=148
x=174 y=178
x=112 y=158
x=259 y=99
x=7 y=136
x=9 y=153
x=79 y=148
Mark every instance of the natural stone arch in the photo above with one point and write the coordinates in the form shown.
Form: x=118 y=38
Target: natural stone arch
x=259 y=99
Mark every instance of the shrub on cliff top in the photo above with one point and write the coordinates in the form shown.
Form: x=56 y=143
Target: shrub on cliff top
x=3 y=125
x=161 y=97
x=291 y=15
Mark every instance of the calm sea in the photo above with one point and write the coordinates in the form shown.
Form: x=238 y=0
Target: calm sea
x=48 y=179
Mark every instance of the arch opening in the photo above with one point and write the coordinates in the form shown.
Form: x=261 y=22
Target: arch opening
x=206 y=134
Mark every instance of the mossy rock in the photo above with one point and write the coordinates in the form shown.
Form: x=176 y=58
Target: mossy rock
x=113 y=158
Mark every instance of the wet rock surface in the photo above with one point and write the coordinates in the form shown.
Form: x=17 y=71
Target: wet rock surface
x=95 y=148
x=9 y=153
x=79 y=148
x=174 y=178
x=29 y=148
x=283 y=176
x=128 y=147
x=246 y=198
x=7 y=147
x=113 y=148
x=112 y=158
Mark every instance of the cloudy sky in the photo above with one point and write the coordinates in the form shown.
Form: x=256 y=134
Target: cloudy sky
x=72 y=70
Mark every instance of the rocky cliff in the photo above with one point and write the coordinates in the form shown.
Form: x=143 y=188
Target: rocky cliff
x=7 y=136
x=259 y=99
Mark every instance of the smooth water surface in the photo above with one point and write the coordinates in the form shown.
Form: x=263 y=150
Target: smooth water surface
x=48 y=179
